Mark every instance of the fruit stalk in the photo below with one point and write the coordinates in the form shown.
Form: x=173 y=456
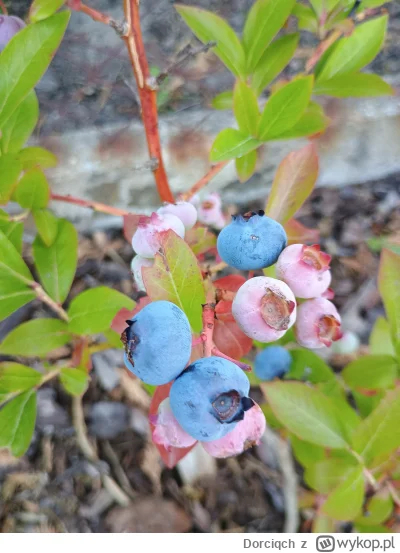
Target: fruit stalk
x=96 y=206
x=203 y=181
x=3 y=8
x=148 y=96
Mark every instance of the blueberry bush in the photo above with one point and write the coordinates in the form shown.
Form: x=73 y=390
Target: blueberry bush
x=192 y=336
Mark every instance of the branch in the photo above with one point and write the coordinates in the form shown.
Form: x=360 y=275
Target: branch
x=100 y=17
x=204 y=180
x=188 y=52
x=42 y=296
x=3 y=8
x=244 y=366
x=147 y=94
x=96 y=206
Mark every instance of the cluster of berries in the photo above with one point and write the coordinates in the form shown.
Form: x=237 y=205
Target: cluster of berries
x=208 y=399
x=180 y=217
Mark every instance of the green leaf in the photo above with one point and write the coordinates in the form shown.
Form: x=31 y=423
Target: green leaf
x=56 y=264
x=378 y=509
x=231 y=143
x=14 y=231
x=285 y=107
x=311 y=122
x=245 y=108
x=17 y=378
x=200 y=239
x=320 y=6
x=113 y=338
x=380 y=341
x=20 y=125
x=17 y=423
x=15 y=279
x=176 y=277
x=306 y=412
x=74 y=381
x=46 y=224
x=372 y=4
x=305 y=452
x=274 y=60
x=307 y=20
x=25 y=59
x=265 y=19
x=308 y=366
x=366 y=404
x=33 y=190
x=36 y=338
x=356 y=51
x=294 y=181
x=41 y=9
x=223 y=100
x=246 y=165
x=379 y=433
x=355 y=85
x=93 y=310
x=389 y=288
x=371 y=372
x=373 y=529
x=10 y=169
x=209 y=27
x=36 y=157
x=325 y=475
x=323 y=525
x=346 y=501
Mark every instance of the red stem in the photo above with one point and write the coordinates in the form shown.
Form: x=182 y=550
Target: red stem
x=96 y=206
x=3 y=8
x=147 y=95
x=243 y=366
x=204 y=180
x=96 y=15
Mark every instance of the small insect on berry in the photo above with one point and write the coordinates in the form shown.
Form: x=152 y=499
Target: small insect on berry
x=318 y=324
x=264 y=308
x=251 y=241
x=305 y=269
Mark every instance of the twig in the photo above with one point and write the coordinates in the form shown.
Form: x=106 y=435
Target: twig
x=292 y=519
x=42 y=296
x=147 y=94
x=90 y=452
x=96 y=15
x=46 y=377
x=218 y=353
x=204 y=180
x=96 y=206
x=123 y=480
x=21 y=216
x=3 y=8
x=188 y=52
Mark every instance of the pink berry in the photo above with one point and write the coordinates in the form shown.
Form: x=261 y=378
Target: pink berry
x=318 y=323
x=167 y=431
x=264 y=308
x=210 y=213
x=246 y=434
x=185 y=211
x=136 y=267
x=146 y=240
x=305 y=269
x=10 y=25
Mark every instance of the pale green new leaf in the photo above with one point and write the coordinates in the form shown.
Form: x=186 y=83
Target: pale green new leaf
x=357 y=85
x=74 y=381
x=209 y=27
x=10 y=169
x=41 y=9
x=46 y=224
x=245 y=108
x=371 y=372
x=20 y=125
x=17 y=378
x=224 y=100
x=346 y=501
x=36 y=338
x=246 y=165
x=389 y=288
x=380 y=341
x=231 y=143
x=325 y=475
x=34 y=156
x=176 y=277
x=14 y=231
x=33 y=191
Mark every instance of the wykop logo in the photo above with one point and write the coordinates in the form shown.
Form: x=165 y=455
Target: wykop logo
x=325 y=543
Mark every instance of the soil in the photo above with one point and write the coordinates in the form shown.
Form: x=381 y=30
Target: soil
x=53 y=488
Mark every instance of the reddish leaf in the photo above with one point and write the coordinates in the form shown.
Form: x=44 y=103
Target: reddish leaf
x=297 y=233
x=294 y=181
x=229 y=338
x=230 y=282
x=119 y=322
x=175 y=454
x=131 y=222
x=80 y=354
x=200 y=240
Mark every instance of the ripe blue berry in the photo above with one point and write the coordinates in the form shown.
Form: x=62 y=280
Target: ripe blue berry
x=251 y=241
x=210 y=397
x=272 y=362
x=158 y=343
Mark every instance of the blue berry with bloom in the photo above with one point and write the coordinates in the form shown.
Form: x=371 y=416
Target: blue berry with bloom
x=251 y=241
x=10 y=25
x=210 y=397
x=158 y=343
x=272 y=362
